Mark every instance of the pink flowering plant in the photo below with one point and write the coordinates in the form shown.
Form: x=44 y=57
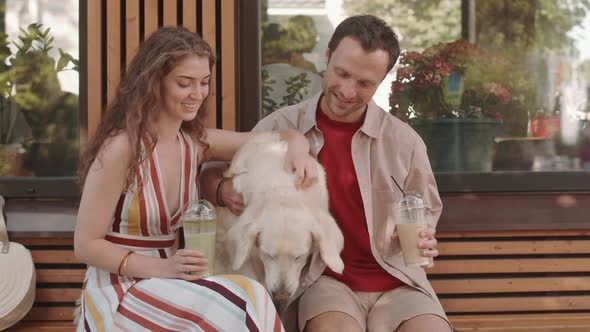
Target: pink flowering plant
x=450 y=80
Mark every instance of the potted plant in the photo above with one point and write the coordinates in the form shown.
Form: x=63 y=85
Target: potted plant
x=11 y=152
x=31 y=90
x=456 y=96
x=287 y=77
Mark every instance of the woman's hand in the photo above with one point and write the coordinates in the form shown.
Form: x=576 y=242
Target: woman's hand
x=183 y=262
x=233 y=200
x=298 y=160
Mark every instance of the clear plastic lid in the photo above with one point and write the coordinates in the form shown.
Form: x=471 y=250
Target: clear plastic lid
x=412 y=201
x=200 y=210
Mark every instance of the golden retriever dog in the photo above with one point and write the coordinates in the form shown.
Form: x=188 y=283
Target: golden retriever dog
x=281 y=227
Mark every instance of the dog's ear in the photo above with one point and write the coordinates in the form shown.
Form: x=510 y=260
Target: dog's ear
x=241 y=239
x=328 y=237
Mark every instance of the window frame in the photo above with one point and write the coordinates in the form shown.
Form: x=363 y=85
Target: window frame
x=497 y=181
x=59 y=187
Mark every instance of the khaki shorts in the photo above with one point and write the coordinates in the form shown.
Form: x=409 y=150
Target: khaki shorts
x=374 y=311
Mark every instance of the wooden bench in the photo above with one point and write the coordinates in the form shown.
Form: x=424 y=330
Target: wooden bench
x=487 y=281
x=59 y=283
x=515 y=280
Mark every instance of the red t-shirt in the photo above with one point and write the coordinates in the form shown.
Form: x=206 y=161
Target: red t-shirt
x=361 y=270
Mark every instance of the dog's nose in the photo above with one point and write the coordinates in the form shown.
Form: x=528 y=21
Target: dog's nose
x=280 y=295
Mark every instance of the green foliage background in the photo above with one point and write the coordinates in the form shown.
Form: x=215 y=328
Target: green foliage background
x=420 y=23
x=519 y=24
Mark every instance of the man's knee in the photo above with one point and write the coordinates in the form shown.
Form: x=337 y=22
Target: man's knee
x=332 y=321
x=425 y=323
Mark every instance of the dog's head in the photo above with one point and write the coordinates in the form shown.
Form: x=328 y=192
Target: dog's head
x=284 y=239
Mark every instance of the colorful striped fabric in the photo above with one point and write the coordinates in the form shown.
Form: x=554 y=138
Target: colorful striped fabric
x=143 y=223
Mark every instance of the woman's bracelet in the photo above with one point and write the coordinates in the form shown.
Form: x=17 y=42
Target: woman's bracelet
x=218 y=191
x=123 y=264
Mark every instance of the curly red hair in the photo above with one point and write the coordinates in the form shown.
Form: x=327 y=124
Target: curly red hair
x=136 y=105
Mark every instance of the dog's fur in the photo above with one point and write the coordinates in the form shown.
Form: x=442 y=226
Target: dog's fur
x=281 y=227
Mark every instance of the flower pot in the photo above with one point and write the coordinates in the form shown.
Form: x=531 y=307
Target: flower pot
x=545 y=125
x=520 y=153
x=51 y=159
x=459 y=145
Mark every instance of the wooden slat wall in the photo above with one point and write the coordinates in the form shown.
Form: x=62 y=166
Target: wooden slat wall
x=513 y=272
x=189 y=14
x=170 y=12
x=93 y=75
x=59 y=281
x=514 y=211
x=113 y=46
x=108 y=55
x=521 y=280
x=150 y=16
x=496 y=281
x=228 y=89
x=209 y=33
x=131 y=29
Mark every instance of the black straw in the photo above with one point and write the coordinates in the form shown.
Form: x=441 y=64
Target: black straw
x=400 y=188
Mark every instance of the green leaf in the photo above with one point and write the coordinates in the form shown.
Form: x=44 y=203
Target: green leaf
x=62 y=63
x=76 y=65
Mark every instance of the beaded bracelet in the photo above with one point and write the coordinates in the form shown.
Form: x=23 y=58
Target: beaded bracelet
x=218 y=192
x=123 y=264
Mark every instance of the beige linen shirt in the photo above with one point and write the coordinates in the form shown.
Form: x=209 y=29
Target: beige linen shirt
x=383 y=147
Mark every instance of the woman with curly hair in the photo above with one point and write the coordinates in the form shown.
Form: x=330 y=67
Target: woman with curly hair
x=139 y=173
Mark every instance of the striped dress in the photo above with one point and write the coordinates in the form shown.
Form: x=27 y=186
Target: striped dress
x=144 y=224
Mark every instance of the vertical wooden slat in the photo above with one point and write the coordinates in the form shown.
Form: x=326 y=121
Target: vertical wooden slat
x=170 y=10
x=209 y=21
x=150 y=17
x=94 y=65
x=228 y=75
x=189 y=14
x=131 y=29
x=113 y=61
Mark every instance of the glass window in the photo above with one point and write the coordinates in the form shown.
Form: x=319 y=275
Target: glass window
x=39 y=88
x=491 y=86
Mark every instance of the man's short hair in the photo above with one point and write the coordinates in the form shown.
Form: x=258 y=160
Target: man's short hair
x=373 y=34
